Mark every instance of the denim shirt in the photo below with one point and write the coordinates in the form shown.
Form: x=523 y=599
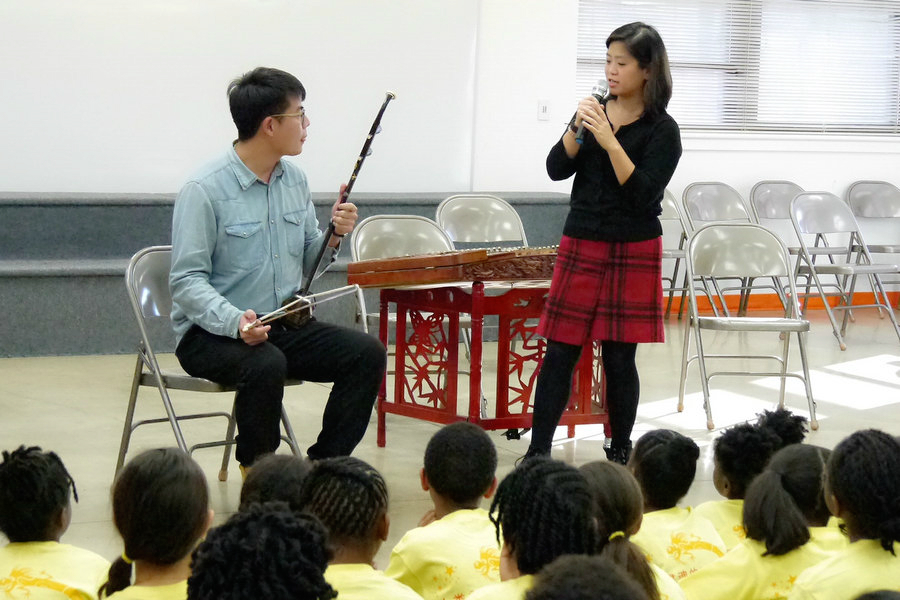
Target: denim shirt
x=238 y=243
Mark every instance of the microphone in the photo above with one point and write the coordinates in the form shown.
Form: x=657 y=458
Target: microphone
x=601 y=93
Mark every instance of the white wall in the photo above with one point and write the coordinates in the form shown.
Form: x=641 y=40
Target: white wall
x=113 y=96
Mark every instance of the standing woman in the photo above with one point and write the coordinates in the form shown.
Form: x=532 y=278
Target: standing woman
x=607 y=281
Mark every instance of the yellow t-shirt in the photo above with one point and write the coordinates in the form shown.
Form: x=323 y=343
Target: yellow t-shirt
x=745 y=573
x=447 y=559
x=668 y=587
x=50 y=571
x=362 y=582
x=173 y=591
x=512 y=589
x=678 y=541
x=863 y=566
x=727 y=516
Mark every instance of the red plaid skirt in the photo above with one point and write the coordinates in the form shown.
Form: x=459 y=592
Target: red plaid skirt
x=605 y=291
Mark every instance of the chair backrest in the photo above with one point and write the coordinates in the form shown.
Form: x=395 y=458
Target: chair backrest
x=714 y=202
x=480 y=218
x=874 y=199
x=147 y=280
x=383 y=236
x=672 y=212
x=771 y=199
x=822 y=212
x=737 y=250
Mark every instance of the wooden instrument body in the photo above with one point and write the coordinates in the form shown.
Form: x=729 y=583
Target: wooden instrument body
x=515 y=264
x=425 y=373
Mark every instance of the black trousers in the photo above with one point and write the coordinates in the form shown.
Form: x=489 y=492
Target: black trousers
x=354 y=361
x=554 y=385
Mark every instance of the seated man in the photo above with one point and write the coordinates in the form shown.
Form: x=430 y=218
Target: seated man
x=244 y=236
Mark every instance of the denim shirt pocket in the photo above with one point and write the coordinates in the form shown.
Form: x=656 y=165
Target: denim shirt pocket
x=245 y=244
x=295 y=231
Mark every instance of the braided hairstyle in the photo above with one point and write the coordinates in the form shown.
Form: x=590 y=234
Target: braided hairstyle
x=275 y=477
x=585 y=578
x=543 y=509
x=618 y=508
x=786 y=425
x=460 y=462
x=160 y=508
x=349 y=496
x=34 y=491
x=265 y=551
x=741 y=453
x=786 y=498
x=863 y=474
x=664 y=463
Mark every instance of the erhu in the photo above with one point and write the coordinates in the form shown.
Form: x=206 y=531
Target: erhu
x=297 y=309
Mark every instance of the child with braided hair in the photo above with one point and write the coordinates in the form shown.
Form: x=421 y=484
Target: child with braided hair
x=350 y=498
x=862 y=487
x=35 y=512
x=264 y=551
x=454 y=550
x=542 y=510
x=618 y=508
x=740 y=454
x=275 y=478
x=785 y=518
x=676 y=539
x=582 y=577
x=161 y=510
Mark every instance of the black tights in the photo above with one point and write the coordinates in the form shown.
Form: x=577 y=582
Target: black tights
x=554 y=385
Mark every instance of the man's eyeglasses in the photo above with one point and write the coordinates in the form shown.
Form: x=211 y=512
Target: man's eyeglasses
x=301 y=114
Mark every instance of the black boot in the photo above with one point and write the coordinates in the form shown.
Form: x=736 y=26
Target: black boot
x=532 y=452
x=619 y=454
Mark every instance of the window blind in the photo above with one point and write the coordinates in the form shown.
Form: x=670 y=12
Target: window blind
x=825 y=66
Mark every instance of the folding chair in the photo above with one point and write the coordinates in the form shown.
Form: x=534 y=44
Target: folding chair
x=876 y=206
x=480 y=219
x=672 y=213
x=770 y=200
x=742 y=250
x=147 y=283
x=386 y=236
x=717 y=202
x=820 y=214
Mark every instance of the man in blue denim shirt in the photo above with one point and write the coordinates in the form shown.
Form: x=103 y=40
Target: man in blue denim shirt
x=244 y=236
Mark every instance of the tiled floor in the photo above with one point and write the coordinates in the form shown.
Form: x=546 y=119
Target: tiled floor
x=75 y=406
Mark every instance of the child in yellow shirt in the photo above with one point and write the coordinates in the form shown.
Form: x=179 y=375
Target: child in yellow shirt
x=455 y=550
x=785 y=517
x=676 y=539
x=542 y=510
x=264 y=551
x=862 y=487
x=35 y=512
x=618 y=506
x=740 y=454
x=350 y=498
x=161 y=510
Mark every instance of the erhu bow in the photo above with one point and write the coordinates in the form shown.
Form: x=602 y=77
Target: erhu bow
x=299 y=306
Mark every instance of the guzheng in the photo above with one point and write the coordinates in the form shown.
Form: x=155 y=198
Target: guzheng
x=497 y=264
